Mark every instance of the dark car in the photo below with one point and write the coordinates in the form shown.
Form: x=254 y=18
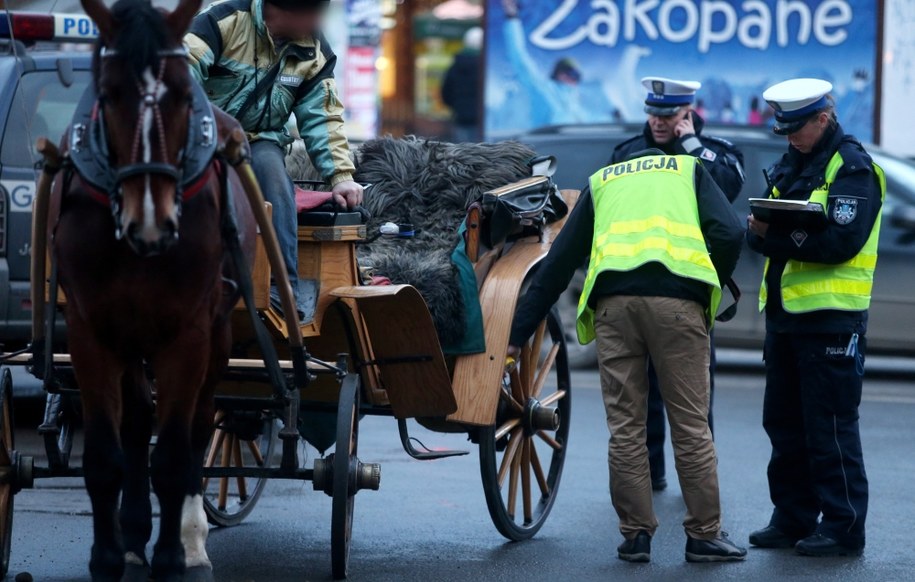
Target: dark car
x=39 y=89
x=582 y=150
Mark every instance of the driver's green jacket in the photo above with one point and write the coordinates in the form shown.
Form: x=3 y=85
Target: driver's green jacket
x=231 y=50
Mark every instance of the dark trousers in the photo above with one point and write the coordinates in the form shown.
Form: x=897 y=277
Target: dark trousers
x=810 y=412
x=657 y=426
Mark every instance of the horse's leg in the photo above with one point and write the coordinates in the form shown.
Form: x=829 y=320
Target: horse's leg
x=180 y=371
x=99 y=373
x=194 y=528
x=136 y=508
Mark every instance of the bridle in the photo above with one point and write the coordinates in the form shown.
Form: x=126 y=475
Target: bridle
x=90 y=151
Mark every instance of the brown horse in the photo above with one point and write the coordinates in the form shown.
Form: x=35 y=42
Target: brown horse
x=141 y=298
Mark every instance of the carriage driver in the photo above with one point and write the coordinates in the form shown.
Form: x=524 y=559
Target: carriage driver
x=260 y=61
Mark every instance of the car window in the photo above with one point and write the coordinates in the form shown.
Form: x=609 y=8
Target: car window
x=42 y=107
x=900 y=176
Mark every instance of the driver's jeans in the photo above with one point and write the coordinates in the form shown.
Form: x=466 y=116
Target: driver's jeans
x=269 y=163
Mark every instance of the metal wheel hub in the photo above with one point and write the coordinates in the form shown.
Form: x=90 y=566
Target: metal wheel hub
x=23 y=475
x=537 y=417
x=361 y=475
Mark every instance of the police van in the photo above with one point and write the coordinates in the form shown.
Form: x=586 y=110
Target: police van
x=44 y=69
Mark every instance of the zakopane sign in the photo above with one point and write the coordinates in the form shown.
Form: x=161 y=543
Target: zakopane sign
x=736 y=48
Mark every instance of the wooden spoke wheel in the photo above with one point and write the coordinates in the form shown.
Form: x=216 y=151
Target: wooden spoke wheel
x=344 y=463
x=8 y=466
x=522 y=455
x=242 y=439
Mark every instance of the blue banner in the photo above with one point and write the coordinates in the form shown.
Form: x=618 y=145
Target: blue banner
x=581 y=61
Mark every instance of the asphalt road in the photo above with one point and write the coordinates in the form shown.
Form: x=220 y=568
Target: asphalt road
x=429 y=520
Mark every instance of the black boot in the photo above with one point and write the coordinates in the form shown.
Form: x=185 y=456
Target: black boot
x=772 y=538
x=637 y=549
x=819 y=545
x=720 y=549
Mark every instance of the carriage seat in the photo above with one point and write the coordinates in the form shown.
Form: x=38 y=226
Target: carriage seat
x=316 y=208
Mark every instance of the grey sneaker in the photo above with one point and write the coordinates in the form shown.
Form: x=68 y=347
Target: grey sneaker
x=720 y=549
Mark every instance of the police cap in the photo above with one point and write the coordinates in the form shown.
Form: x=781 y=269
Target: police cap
x=667 y=96
x=795 y=101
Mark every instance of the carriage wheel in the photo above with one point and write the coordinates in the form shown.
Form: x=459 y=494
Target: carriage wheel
x=523 y=454
x=345 y=463
x=7 y=469
x=58 y=438
x=241 y=439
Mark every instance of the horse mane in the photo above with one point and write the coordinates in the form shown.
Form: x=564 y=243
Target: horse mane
x=141 y=34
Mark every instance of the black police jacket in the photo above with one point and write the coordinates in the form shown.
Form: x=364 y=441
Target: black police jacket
x=719 y=156
x=796 y=175
x=722 y=228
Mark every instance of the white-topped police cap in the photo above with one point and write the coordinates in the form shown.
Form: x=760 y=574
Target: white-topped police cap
x=795 y=101
x=667 y=96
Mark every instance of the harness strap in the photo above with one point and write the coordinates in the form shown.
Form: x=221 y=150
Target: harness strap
x=187 y=192
x=245 y=287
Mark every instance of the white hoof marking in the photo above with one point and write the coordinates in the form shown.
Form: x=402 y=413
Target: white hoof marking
x=194 y=531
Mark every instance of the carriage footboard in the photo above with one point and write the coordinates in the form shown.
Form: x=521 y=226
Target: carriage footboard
x=405 y=349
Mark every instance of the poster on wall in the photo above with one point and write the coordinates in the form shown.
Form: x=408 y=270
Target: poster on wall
x=580 y=61
x=361 y=76
x=898 y=124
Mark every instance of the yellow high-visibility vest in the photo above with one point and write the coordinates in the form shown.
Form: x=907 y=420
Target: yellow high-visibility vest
x=645 y=210
x=847 y=286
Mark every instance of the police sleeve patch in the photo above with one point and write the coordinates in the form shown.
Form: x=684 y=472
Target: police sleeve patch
x=799 y=236
x=708 y=154
x=844 y=210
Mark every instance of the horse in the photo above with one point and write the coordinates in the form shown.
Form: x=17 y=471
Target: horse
x=147 y=300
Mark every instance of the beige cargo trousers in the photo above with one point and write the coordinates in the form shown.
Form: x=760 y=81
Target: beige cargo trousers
x=675 y=334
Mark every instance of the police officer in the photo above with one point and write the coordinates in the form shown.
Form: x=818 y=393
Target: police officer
x=816 y=291
x=662 y=237
x=675 y=128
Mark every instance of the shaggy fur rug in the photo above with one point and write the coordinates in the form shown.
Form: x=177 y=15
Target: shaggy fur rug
x=430 y=185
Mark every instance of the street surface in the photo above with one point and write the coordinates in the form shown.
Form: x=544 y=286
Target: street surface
x=429 y=520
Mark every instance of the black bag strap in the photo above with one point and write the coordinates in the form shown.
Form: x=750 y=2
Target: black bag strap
x=262 y=86
x=729 y=313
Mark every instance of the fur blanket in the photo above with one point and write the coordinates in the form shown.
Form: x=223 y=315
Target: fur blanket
x=429 y=184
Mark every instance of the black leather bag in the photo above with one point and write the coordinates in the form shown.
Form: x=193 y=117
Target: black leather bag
x=521 y=209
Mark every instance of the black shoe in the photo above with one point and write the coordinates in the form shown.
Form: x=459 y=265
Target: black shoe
x=720 y=549
x=659 y=484
x=821 y=546
x=637 y=549
x=772 y=538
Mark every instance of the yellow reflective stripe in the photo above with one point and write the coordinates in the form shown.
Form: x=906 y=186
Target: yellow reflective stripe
x=673 y=227
x=804 y=291
x=860 y=261
x=630 y=251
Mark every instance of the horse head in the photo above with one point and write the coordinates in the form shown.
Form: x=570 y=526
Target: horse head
x=144 y=89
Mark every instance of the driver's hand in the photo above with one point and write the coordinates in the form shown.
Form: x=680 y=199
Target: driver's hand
x=348 y=194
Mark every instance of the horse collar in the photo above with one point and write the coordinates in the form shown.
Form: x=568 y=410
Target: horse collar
x=89 y=153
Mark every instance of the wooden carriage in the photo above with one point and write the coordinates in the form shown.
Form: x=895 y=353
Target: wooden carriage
x=370 y=350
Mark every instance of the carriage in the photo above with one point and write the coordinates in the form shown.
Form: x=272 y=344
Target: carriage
x=362 y=349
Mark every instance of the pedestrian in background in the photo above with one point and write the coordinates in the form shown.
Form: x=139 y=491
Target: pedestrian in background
x=461 y=88
x=816 y=291
x=662 y=237
x=674 y=128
